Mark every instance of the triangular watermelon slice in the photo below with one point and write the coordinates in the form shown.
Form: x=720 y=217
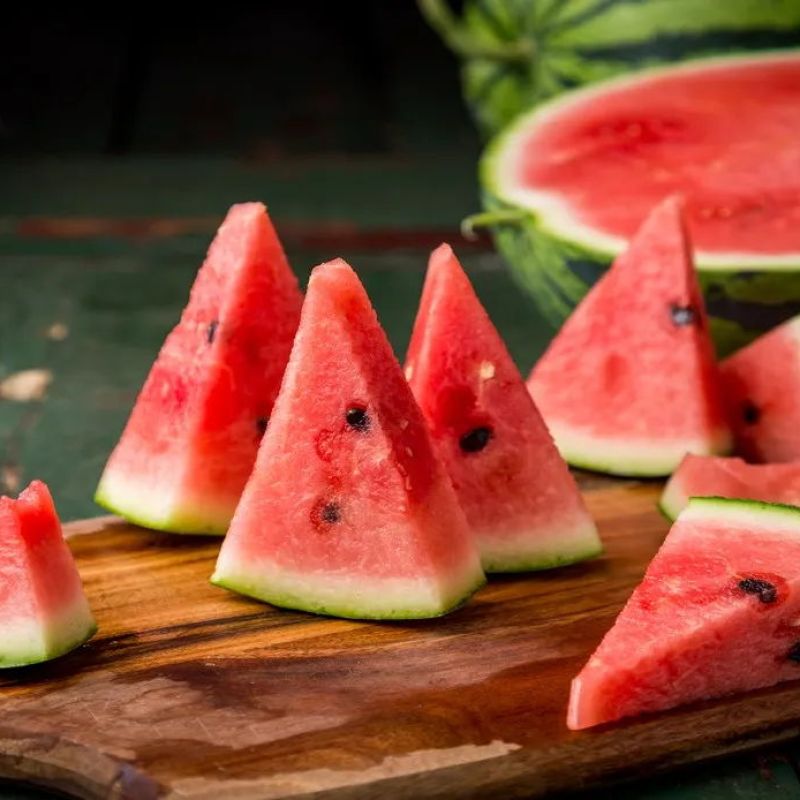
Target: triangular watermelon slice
x=716 y=613
x=43 y=609
x=710 y=476
x=629 y=385
x=193 y=434
x=762 y=385
x=348 y=511
x=519 y=497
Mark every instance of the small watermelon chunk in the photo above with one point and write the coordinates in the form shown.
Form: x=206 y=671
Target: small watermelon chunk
x=193 y=435
x=762 y=385
x=520 y=500
x=629 y=384
x=709 y=476
x=348 y=511
x=43 y=609
x=716 y=613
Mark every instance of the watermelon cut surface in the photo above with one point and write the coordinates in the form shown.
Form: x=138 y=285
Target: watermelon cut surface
x=192 y=437
x=43 y=609
x=629 y=385
x=518 y=495
x=582 y=171
x=348 y=511
x=762 y=385
x=716 y=613
x=707 y=476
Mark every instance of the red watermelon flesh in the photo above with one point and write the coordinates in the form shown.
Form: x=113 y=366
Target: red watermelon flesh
x=193 y=434
x=716 y=613
x=348 y=511
x=43 y=609
x=629 y=384
x=707 y=476
x=762 y=386
x=519 y=497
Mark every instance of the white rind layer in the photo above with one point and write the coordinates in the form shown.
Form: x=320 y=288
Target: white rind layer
x=346 y=595
x=159 y=508
x=628 y=456
x=523 y=550
x=30 y=641
x=500 y=169
x=673 y=499
x=755 y=516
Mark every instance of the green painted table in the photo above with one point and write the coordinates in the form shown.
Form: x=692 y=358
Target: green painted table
x=95 y=261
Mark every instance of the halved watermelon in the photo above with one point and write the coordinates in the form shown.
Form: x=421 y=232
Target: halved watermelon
x=348 y=511
x=707 y=476
x=193 y=434
x=517 y=52
x=43 y=609
x=519 y=497
x=574 y=178
x=630 y=385
x=762 y=386
x=716 y=613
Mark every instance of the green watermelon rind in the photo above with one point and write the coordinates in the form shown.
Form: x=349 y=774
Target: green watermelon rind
x=745 y=296
x=65 y=635
x=179 y=520
x=673 y=499
x=566 y=547
x=645 y=458
x=258 y=589
x=712 y=507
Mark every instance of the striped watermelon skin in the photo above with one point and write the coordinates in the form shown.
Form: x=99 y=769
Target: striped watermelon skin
x=516 y=53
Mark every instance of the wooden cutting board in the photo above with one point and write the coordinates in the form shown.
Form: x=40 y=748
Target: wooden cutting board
x=190 y=692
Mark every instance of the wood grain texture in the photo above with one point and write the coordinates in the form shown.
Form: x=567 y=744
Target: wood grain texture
x=191 y=692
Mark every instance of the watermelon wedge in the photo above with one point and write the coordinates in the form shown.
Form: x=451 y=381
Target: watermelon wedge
x=716 y=613
x=761 y=383
x=707 y=476
x=43 y=609
x=348 y=511
x=630 y=385
x=570 y=181
x=193 y=434
x=519 y=497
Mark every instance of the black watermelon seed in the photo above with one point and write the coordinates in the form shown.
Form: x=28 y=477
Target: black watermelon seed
x=764 y=590
x=794 y=653
x=212 y=330
x=331 y=513
x=475 y=440
x=682 y=315
x=750 y=414
x=261 y=424
x=358 y=419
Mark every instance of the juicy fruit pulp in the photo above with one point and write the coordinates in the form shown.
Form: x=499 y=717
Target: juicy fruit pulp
x=348 y=511
x=716 y=613
x=761 y=383
x=518 y=495
x=706 y=476
x=43 y=609
x=721 y=133
x=193 y=434
x=630 y=385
